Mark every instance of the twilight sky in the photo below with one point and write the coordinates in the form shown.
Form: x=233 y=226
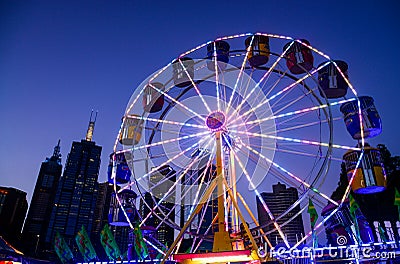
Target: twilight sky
x=60 y=59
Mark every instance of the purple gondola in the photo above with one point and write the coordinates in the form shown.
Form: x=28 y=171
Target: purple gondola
x=331 y=81
x=153 y=100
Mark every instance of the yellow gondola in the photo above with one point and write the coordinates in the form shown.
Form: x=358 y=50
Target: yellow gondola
x=131 y=131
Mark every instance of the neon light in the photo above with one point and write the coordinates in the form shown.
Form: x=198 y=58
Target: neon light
x=195 y=86
x=177 y=102
x=291 y=175
x=240 y=73
x=308 y=142
x=165 y=121
x=260 y=81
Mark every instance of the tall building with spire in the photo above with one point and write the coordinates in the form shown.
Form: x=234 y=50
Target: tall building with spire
x=37 y=221
x=76 y=196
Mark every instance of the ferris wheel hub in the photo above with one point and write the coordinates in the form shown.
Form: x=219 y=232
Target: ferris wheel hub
x=215 y=121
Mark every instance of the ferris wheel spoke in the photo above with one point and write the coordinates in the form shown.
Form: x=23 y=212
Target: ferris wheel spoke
x=301 y=111
x=167 y=141
x=174 y=158
x=178 y=102
x=261 y=80
x=291 y=174
x=266 y=208
x=170 y=210
x=277 y=173
x=203 y=175
x=291 y=102
x=285 y=90
x=240 y=74
x=195 y=86
x=302 y=125
x=190 y=165
x=166 y=121
x=216 y=76
x=176 y=181
x=302 y=141
x=294 y=152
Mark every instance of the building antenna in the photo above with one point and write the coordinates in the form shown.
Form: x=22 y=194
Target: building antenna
x=56 y=152
x=89 y=133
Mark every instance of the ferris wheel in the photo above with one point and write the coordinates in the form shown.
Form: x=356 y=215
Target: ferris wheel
x=208 y=134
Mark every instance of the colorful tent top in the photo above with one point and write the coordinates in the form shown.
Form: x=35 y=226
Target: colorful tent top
x=109 y=244
x=85 y=246
x=140 y=245
x=62 y=249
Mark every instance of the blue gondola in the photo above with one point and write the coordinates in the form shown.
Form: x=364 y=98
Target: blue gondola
x=183 y=72
x=221 y=48
x=122 y=172
x=331 y=81
x=372 y=124
x=116 y=216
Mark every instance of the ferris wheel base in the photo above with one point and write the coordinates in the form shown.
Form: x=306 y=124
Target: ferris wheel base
x=222 y=241
x=217 y=257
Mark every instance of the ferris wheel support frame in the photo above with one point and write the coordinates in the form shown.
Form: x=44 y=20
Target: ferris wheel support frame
x=222 y=241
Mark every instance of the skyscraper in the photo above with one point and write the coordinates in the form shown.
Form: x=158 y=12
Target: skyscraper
x=75 y=200
x=165 y=233
x=100 y=217
x=13 y=207
x=278 y=202
x=37 y=221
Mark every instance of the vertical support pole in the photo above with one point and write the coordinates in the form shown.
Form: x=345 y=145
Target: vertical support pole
x=220 y=184
x=222 y=241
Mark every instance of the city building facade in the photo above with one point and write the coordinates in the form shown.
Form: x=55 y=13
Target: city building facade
x=37 y=221
x=77 y=190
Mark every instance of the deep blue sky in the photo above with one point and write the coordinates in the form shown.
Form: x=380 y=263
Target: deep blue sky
x=60 y=59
